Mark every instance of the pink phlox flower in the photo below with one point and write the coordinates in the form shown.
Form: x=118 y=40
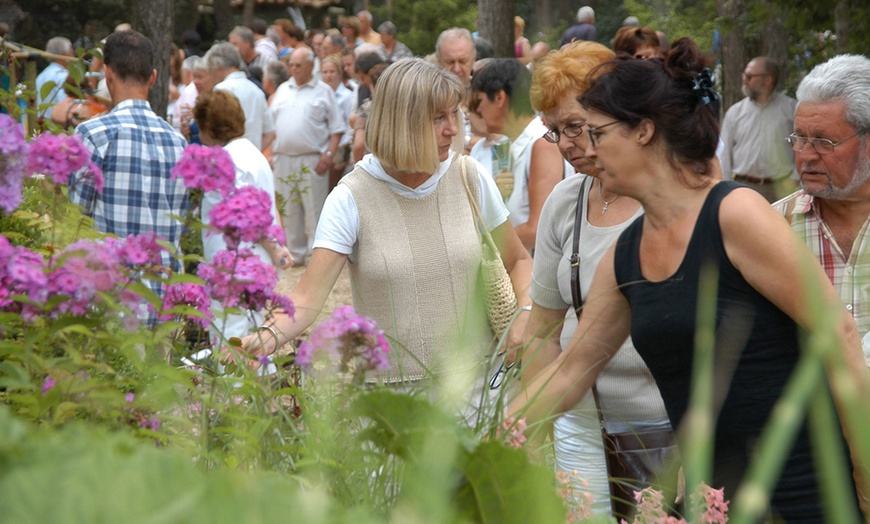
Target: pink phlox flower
x=206 y=168
x=188 y=294
x=13 y=159
x=129 y=398
x=47 y=384
x=239 y=279
x=710 y=505
x=23 y=274
x=277 y=234
x=141 y=250
x=513 y=432
x=244 y=216
x=59 y=156
x=348 y=341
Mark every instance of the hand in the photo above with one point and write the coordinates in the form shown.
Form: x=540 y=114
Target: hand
x=281 y=258
x=242 y=352
x=514 y=339
x=325 y=163
x=505 y=183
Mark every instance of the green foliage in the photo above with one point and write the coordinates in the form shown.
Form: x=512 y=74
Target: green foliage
x=695 y=19
x=420 y=22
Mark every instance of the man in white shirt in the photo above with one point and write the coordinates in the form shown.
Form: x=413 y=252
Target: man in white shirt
x=225 y=66
x=753 y=134
x=308 y=129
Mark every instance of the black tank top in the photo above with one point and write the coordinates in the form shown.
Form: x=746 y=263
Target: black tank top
x=756 y=350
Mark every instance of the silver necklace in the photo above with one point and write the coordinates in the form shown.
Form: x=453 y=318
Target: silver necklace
x=606 y=202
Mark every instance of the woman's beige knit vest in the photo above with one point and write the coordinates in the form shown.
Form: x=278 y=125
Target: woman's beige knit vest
x=417 y=274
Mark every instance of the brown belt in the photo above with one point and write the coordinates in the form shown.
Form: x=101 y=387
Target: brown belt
x=755 y=179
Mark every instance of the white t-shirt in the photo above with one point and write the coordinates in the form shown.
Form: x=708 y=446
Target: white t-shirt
x=253 y=101
x=338 y=227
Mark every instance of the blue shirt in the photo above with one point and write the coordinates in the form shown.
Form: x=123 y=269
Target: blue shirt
x=56 y=74
x=136 y=150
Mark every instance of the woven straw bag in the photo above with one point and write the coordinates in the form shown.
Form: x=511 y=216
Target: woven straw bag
x=500 y=299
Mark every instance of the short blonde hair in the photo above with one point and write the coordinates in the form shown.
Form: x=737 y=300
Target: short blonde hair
x=401 y=130
x=519 y=23
x=565 y=71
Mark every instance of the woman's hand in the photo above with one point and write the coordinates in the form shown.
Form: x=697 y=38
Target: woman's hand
x=280 y=255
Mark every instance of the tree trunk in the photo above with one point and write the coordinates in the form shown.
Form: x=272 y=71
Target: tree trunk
x=223 y=19
x=544 y=14
x=775 y=41
x=248 y=13
x=733 y=50
x=841 y=25
x=154 y=20
x=496 y=24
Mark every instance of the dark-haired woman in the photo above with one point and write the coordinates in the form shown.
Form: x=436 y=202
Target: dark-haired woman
x=656 y=145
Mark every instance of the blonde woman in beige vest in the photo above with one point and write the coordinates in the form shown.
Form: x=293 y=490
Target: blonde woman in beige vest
x=403 y=220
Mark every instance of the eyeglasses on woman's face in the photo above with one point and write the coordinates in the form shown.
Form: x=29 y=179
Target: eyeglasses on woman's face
x=572 y=130
x=823 y=146
x=594 y=133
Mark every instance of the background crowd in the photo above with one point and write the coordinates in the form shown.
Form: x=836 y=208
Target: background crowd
x=602 y=174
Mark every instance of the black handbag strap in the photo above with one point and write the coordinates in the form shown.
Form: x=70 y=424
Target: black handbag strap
x=576 y=294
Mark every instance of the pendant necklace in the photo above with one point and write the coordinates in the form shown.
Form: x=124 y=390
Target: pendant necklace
x=606 y=202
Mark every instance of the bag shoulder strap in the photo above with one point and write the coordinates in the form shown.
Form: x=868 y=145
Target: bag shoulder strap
x=478 y=219
x=576 y=294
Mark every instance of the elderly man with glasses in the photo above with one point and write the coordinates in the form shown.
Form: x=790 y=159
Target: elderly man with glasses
x=753 y=152
x=832 y=156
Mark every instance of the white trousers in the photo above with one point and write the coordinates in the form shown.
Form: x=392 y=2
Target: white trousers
x=304 y=192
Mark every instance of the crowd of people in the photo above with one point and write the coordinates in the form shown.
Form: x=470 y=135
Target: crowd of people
x=602 y=174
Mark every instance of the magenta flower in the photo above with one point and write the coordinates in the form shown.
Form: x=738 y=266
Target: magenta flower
x=47 y=384
x=245 y=215
x=347 y=342
x=241 y=279
x=60 y=156
x=193 y=295
x=129 y=398
x=206 y=168
x=141 y=250
x=13 y=157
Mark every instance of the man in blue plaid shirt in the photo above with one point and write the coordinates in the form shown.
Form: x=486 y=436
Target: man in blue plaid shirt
x=135 y=149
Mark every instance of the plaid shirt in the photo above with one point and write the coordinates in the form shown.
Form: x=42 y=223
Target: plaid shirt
x=851 y=277
x=136 y=150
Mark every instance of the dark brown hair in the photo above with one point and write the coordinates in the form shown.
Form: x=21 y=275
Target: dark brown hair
x=662 y=91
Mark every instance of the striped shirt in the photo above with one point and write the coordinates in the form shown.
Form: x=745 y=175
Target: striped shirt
x=136 y=150
x=851 y=277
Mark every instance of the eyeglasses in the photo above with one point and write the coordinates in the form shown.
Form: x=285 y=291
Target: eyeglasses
x=823 y=146
x=572 y=130
x=594 y=133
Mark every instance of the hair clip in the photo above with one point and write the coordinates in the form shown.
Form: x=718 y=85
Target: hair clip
x=703 y=87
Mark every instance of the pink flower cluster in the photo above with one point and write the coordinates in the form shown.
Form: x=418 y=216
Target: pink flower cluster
x=709 y=504
x=244 y=216
x=241 y=279
x=13 y=155
x=348 y=341
x=513 y=432
x=60 y=156
x=206 y=168
x=193 y=295
x=72 y=284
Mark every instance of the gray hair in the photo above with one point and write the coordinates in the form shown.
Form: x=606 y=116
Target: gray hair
x=450 y=34
x=272 y=35
x=364 y=14
x=223 y=56
x=336 y=40
x=585 y=14
x=59 y=46
x=195 y=63
x=846 y=78
x=388 y=28
x=244 y=33
x=277 y=72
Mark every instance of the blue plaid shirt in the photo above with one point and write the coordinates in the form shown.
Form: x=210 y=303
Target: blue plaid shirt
x=136 y=150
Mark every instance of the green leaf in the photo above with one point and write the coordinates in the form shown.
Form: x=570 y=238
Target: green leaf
x=501 y=485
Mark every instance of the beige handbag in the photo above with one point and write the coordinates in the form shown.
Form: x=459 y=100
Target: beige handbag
x=499 y=296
